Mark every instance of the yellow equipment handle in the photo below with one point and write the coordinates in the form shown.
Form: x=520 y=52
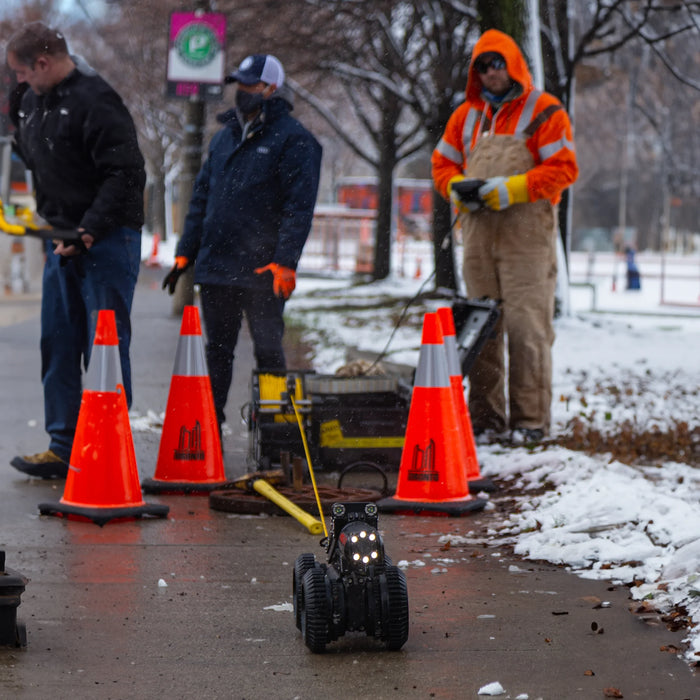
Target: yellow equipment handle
x=7 y=227
x=314 y=526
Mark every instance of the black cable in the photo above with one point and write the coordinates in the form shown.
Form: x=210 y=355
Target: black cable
x=398 y=323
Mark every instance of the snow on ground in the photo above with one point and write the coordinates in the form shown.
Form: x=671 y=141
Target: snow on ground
x=629 y=366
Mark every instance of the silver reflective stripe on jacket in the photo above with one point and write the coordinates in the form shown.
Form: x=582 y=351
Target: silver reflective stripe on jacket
x=450 y=152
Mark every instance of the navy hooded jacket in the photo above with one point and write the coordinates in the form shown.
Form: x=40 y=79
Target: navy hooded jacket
x=253 y=200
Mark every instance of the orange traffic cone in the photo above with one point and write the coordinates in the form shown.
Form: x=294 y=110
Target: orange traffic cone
x=449 y=335
x=432 y=475
x=102 y=482
x=153 y=257
x=189 y=458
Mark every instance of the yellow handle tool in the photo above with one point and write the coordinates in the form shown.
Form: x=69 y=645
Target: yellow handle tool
x=7 y=227
x=315 y=527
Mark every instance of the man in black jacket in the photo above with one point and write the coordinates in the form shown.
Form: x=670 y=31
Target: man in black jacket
x=78 y=139
x=249 y=217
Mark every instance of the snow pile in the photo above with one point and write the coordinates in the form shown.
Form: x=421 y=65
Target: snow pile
x=608 y=521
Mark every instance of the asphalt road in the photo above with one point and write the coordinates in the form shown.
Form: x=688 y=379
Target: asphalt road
x=101 y=624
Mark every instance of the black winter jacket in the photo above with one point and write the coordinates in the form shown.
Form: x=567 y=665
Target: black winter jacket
x=80 y=143
x=253 y=200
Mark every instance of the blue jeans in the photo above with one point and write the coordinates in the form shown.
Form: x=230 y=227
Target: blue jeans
x=223 y=308
x=73 y=293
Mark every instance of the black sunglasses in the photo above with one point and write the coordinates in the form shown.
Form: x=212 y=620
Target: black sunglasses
x=495 y=63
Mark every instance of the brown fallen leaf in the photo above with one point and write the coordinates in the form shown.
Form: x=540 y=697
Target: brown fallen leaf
x=612 y=693
x=588 y=672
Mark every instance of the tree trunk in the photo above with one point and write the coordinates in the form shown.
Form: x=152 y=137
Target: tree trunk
x=156 y=206
x=443 y=250
x=505 y=15
x=385 y=177
x=382 y=241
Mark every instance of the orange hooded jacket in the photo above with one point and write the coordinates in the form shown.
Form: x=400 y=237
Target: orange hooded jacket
x=537 y=117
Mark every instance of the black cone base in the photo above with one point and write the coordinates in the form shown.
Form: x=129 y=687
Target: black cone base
x=451 y=508
x=483 y=484
x=100 y=516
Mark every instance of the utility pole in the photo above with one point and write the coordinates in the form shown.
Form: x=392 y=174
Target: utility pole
x=192 y=160
x=195 y=73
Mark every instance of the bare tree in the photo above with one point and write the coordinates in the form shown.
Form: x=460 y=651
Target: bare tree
x=399 y=64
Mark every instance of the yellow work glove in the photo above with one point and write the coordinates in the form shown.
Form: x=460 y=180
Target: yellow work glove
x=284 y=279
x=181 y=264
x=500 y=192
x=461 y=205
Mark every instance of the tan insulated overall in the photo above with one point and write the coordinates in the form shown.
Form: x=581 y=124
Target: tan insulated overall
x=511 y=255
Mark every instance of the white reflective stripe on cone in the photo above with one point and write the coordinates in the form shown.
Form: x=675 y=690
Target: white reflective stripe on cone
x=432 y=367
x=453 y=366
x=189 y=357
x=105 y=370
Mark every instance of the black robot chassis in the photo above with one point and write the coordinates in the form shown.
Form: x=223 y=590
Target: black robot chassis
x=357 y=590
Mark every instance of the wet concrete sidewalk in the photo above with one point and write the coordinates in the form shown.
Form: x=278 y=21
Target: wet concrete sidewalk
x=99 y=624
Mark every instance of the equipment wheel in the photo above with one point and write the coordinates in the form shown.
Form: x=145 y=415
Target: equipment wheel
x=303 y=563
x=315 y=610
x=395 y=609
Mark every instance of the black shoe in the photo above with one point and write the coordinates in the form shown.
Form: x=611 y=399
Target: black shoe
x=43 y=465
x=489 y=436
x=526 y=436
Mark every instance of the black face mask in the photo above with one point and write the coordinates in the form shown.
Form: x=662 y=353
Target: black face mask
x=248 y=102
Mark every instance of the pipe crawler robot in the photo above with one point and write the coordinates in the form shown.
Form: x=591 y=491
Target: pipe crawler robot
x=358 y=589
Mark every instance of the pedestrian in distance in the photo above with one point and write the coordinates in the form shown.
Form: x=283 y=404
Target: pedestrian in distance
x=76 y=136
x=518 y=140
x=248 y=220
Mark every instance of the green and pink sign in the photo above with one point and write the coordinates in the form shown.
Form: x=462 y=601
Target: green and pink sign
x=196 y=55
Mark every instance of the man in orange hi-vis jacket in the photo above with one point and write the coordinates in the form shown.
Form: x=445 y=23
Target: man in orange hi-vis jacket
x=519 y=141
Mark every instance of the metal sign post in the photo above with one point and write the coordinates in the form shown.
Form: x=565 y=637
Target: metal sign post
x=195 y=73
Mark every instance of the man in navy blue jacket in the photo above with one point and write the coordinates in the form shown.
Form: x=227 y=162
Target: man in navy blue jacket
x=248 y=220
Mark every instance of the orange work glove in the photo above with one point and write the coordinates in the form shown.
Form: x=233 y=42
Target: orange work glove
x=181 y=264
x=284 y=279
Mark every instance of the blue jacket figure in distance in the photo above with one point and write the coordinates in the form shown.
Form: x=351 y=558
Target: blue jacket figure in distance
x=248 y=220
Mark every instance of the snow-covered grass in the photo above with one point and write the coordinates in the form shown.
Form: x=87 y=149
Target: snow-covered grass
x=625 y=504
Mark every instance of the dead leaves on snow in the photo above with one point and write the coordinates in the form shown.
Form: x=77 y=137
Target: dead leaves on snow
x=630 y=443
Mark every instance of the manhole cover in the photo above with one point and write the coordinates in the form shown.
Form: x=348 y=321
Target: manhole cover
x=238 y=501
